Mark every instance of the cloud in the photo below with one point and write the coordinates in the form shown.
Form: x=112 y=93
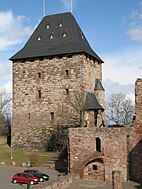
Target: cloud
x=12 y=29
x=5 y=69
x=123 y=67
x=136 y=33
x=134 y=21
x=6 y=87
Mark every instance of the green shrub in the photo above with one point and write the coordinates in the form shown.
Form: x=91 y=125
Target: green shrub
x=53 y=145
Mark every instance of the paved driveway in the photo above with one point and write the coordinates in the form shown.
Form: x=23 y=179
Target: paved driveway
x=6 y=173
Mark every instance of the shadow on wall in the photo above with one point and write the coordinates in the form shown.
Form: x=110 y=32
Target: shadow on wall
x=135 y=164
x=61 y=165
x=139 y=187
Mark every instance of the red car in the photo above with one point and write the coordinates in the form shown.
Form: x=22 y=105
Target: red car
x=24 y=178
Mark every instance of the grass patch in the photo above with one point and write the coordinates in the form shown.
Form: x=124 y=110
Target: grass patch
x=20 y=156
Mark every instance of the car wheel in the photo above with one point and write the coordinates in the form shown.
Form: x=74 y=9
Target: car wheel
x=41 y=179
x=31 y=182
x=14 y=181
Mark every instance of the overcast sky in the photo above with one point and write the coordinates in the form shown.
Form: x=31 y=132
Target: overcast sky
x=113 y=29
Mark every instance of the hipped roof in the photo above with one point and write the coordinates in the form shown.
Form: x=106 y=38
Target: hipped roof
x=56 y=26
x=91 y=102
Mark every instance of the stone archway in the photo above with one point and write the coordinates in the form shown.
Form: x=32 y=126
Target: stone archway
x=94 y=170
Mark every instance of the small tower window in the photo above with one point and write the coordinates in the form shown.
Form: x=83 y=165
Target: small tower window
x=39 y=75
x=67 y=73
x=60 y=24
x=98 y=144
x=39 y=93
x=48 y=26
x=39 y=38
x=64 y=34
x=67 y=92
x=52 y=116
x=29 y=116
x=52 y=36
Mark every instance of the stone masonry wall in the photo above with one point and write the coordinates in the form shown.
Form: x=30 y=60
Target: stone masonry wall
x=138 y=102
x=135 y=139
x=40 y=89
x=62 y=182
x=113 y=153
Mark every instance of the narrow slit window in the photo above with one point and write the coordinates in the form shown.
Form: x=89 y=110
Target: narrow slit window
x=66 y=73
x=29 y=116
x=39 y=93
x=39 y=75
x=67 y=92
x=98 y=144
x=52 y=116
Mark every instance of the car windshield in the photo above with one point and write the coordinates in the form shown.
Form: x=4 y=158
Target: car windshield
x=36 y=171
x=29 y=175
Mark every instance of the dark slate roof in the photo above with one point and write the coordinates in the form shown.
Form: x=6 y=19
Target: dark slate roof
x=40 y=43
x=98 y=85
x=91 y=102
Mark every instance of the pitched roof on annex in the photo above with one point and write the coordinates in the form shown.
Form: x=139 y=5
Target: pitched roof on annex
x=57 y=34
x=91 y=102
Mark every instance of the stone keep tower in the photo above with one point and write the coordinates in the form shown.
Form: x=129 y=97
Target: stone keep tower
x=56 y=61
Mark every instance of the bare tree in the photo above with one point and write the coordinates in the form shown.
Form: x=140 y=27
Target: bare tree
x=73 y=110
x=120 y=110
x=5 y=100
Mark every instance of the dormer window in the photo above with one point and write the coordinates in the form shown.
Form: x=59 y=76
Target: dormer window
x=82 y=36
x=60 y=24
x=52 y=36
x=39 y=38
x=64 y=34
x=48 y=26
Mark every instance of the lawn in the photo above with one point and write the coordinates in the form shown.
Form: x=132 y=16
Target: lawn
x=8 y=155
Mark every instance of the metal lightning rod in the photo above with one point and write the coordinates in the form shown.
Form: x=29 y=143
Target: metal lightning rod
x=44 y=9
x=71 y=6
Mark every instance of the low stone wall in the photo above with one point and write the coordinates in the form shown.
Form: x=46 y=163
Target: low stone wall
x=61 y=183
x=116 y=180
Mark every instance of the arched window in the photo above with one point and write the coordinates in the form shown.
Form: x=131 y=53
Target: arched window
x=98 y=144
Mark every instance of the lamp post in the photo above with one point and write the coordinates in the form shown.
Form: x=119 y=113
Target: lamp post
x=11 y=153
